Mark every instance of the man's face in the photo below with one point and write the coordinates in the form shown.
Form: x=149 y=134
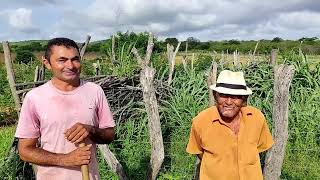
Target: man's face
x=229 y=105
x=64 y=63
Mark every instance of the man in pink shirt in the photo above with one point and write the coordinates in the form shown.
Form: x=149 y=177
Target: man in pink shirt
x=61 y=114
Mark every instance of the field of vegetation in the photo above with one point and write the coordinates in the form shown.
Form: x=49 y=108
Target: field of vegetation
x=188 y=96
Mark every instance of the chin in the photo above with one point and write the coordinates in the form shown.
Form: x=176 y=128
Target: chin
x=228 y=114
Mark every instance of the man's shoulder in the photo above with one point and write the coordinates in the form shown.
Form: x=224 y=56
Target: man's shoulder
x=92 y=85
x=250 y=109
x=206 y=116
x=38 y=91
x=254 y=113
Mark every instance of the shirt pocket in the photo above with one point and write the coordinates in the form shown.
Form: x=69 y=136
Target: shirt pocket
x=251 y=154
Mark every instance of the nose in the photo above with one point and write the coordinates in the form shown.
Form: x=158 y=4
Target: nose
x=229 y=100
x=69 y=64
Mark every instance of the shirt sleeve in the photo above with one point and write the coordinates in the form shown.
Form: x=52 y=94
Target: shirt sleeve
x=194 y=145
x=28 y=124
x=265 y=140
x=104 y=113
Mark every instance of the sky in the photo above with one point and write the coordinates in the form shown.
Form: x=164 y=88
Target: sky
x=202 y=19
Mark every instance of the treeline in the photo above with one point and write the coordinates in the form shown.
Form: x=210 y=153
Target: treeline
x=307 y=45
x=140 y=40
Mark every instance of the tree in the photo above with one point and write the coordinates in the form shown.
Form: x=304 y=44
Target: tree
x=305 y=39
x=192 y=42
x=234 y=41
x=277 y=40
x=172 y=41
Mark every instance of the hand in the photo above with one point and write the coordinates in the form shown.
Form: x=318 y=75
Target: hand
x=77 y=157
x=78 y=132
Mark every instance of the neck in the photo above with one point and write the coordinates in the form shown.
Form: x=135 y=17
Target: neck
x=64 y=85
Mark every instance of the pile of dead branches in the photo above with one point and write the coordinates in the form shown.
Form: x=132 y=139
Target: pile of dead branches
x=125 y=94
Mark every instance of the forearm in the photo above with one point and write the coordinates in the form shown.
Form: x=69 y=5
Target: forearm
x=40 y=156
x=102 y=136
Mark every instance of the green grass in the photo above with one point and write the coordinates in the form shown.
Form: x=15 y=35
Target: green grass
x=6 y=137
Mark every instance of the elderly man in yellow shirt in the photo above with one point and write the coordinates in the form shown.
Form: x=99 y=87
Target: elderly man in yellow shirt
x=229 y=136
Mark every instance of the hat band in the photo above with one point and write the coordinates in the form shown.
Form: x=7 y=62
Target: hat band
x=231 y=86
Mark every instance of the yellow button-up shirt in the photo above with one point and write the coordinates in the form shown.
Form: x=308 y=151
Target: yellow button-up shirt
x=226 y=156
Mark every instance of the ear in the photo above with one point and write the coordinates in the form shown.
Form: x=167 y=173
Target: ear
x=214 y=94
x=46 y=62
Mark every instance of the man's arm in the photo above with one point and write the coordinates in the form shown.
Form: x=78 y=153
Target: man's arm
x=79 y=132
x=29 y=152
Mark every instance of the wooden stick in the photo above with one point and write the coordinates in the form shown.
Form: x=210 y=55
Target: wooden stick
x=255 y=49
x=84 y=47
x=273 y=57
x=113 y=54
x=10 y=75
x=283 y=75
x=211 y=79
x=112 y=161
x=84 y=168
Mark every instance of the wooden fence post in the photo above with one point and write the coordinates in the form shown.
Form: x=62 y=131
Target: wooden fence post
x=36 y=74
x=149 y=97
x=171 y=60
x=273 y=57
x=113 y=54
x=42 y=72
x=211 y=79
x=10 y=75
x=282 y=78
x=185 y=57
x=84 y=47
x=236 y=59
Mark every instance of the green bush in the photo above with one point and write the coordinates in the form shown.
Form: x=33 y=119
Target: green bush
x=24 y=56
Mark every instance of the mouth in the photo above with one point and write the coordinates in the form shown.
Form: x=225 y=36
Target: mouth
x=228 y=108
x=70 y=73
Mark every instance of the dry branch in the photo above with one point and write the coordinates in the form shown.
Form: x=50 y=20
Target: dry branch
x=149 y=49
x=112 y=161
x=149 y=97
x=151 y=105
x=171 y=60
x=255 y=49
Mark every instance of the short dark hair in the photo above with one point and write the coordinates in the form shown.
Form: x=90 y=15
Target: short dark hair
x=61 y=41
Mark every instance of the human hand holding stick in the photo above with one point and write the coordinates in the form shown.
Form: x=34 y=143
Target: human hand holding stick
x=78 y=133
x=85 y=167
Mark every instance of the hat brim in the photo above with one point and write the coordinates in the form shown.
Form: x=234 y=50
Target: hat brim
x=224 y=90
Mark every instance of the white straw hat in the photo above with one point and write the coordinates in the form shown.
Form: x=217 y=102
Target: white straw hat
x=230 y=82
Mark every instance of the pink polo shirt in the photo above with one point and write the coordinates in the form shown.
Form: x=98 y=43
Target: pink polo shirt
x=48 y=112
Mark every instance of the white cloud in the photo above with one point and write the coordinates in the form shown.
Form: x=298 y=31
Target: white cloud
x=205 y=19
x=21 y=19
